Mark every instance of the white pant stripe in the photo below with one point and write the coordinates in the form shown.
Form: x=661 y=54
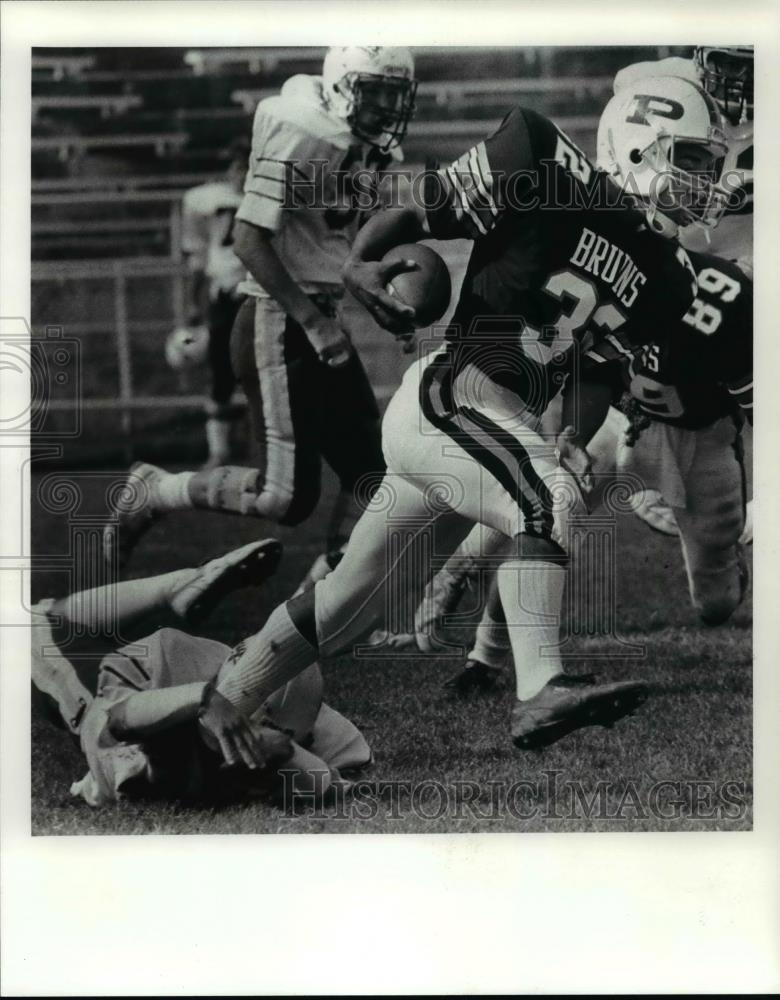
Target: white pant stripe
x=279 y=485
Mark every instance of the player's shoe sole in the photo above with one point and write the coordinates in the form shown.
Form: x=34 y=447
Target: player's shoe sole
x=474 y=678
x=248 y=566
x=567 y=703
x=134 y=514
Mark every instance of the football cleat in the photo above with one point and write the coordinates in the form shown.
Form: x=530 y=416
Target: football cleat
x=248 y=566
x=474 y=678
x=401 y=641
x=568 y=702
x=650 y=507
x=442 y=597
x=134 y=512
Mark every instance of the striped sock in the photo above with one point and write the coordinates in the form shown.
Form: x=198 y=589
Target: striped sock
x=264 y=662
x=531 y=594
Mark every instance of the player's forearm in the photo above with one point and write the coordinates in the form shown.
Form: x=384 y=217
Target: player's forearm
x=150 y=712
x=254 y=248
x=585 y=408
x=387 y=229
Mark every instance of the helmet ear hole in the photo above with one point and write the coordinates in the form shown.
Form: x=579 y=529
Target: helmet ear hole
x=635 y=156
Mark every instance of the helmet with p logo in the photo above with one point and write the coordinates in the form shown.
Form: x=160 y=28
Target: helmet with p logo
x=661 y=140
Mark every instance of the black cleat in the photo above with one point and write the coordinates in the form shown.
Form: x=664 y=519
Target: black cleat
x=474 y=678
x=248 y=566
x=568 y=702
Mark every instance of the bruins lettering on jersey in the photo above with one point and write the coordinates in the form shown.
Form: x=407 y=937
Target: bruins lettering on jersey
x=560 y=258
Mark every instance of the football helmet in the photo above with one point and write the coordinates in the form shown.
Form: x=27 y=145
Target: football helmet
x=187 y=347
x=726 y=73
x=372 y=89
x=660 y=140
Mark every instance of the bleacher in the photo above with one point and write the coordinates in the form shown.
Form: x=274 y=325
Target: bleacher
x=118 y=134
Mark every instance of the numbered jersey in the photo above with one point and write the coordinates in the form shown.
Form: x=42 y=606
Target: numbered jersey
x=559 y=258
x=704 y=369
x=307 y=183
x=207 y=234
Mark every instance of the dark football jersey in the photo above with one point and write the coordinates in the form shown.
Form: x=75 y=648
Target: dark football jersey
x=704 y=369
x=559 y=259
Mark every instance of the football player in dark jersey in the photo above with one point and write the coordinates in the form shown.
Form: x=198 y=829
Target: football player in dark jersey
x=561 y=259
x=675 y=426
x=687 y=399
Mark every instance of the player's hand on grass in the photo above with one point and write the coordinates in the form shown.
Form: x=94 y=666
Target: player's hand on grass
x=368 y=281
x=228 y=728
x=575 y=459
x=331 y=343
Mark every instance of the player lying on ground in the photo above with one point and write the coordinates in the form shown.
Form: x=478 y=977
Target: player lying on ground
x=547 y=280
x=309 y=396
x=156 y=726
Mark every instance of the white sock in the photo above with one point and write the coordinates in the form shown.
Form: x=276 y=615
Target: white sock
x=491 y=642
x=531 y=595
x=264 y=662
x=171 y=491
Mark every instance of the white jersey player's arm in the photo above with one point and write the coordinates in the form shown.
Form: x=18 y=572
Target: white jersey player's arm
x=147 y=713
x=254 y=248
x=261 y=214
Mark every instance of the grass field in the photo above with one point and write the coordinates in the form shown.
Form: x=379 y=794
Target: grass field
x=445 y=765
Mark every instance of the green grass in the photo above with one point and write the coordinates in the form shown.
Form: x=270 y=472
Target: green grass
x=696 y=727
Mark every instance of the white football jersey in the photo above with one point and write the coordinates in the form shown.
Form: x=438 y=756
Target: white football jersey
x=304 y=169
x=207 y=234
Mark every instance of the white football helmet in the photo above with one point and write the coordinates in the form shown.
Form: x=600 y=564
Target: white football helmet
x=660 y=139
x=726 y=73
x=372 y=89
x=187 y=347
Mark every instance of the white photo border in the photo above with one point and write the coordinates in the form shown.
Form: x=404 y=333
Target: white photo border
x=613 y=913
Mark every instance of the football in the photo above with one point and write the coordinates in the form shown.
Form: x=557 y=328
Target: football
x=428 y=289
